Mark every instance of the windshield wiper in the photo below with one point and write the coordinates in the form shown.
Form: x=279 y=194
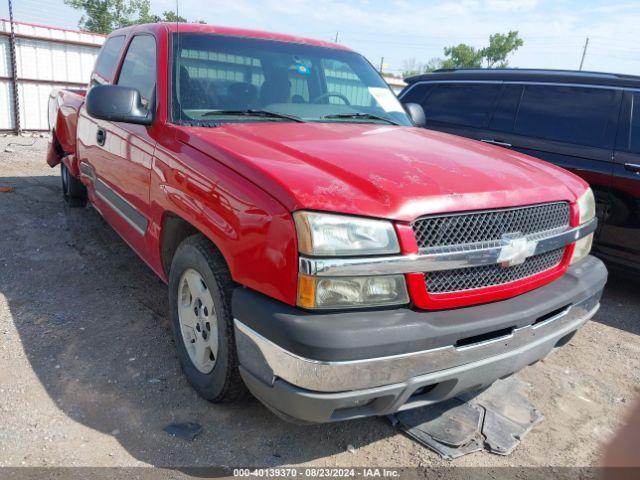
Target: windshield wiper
x=250 y=112
x=369 y=116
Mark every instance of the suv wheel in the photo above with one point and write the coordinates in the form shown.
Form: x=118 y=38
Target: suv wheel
x=200 y=289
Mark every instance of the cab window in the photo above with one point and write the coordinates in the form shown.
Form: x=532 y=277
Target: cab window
x=108 y=58
x=139 y=66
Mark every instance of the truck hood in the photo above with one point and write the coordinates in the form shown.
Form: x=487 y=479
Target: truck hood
x=381 y=170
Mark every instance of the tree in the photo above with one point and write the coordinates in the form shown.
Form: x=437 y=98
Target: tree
x=434 y=64
x=493 y=56
x=500 y=46
x=462 y=55
x=411 y=67
x=104 y=16
x=171 y=17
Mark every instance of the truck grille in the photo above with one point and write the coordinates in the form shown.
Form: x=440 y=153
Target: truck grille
x=490 y=225
x=458 y=230
x=448 y=281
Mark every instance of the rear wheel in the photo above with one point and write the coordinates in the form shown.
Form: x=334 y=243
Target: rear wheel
x=74 y=192
x=199 y=298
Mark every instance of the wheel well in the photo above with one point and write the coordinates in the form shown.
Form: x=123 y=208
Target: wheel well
x=174 y=231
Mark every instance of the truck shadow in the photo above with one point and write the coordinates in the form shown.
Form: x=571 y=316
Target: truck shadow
x=92 y=321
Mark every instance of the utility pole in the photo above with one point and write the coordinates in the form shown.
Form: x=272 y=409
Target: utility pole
x=381 y=65
x=584 y=52
x=14 y=74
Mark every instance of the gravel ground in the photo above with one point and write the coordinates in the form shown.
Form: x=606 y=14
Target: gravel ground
x=89 y=377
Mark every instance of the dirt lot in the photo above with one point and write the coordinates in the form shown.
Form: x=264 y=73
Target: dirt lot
x=88 y=374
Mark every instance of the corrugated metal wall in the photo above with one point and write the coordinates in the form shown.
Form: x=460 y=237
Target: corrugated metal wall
x=46 y=58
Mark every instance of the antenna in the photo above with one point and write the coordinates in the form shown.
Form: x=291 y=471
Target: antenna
x=584 y=53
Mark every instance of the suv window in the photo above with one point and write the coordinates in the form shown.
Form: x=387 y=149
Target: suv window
x=108 y=58
x=633 y=142
x=505 y=114
x=463 y=104
x=139 y=66
x=417 y=93
x=576 y=115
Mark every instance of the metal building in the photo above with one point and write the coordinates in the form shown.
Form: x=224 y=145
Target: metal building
x=46 y=57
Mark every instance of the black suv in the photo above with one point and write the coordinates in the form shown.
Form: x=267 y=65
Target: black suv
x=588 y=123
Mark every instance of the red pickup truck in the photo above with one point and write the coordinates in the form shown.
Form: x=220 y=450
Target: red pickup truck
x=319 y=249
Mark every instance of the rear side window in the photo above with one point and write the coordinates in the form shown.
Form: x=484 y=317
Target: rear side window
x=465 y=104
x=577 y=115
x=628 y=139
x=139 y=66
x=107 y=60
x=505 y=114
x=634 y=133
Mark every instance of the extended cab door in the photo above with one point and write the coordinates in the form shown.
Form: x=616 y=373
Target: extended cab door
x=120 y=154
x=621 y=237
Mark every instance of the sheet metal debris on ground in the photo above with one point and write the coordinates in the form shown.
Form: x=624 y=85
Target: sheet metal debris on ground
x=495 y=420
x=187 y=430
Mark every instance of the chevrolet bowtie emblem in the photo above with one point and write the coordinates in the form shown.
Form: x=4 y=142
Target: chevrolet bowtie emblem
x=515 y=249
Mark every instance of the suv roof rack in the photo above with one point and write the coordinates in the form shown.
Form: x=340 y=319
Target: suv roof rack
x=581 y=76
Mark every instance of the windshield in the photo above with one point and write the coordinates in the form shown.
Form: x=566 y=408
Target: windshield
x=236 y=79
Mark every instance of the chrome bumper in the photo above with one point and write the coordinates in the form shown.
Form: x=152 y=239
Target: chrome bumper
x=271 y=362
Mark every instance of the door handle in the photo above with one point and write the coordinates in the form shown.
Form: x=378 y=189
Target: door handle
x=101 y=136
x=496 y=142
x=632 y=167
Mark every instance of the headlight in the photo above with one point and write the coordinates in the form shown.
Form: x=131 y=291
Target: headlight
x=331 y=235
x=587 y=210
x=324 y=234
x=582 y=248
x=587 y=206
x=351 y=292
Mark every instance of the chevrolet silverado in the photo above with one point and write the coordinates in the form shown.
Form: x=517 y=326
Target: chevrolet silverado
x=320 y=250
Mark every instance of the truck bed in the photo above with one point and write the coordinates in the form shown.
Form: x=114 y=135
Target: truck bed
x=64 y=105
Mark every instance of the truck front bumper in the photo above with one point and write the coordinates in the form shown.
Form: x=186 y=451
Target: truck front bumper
x=322 y=367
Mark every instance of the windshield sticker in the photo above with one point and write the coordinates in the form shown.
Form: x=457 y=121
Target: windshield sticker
x=302 y=69
x=386 y=99
x=300 y=66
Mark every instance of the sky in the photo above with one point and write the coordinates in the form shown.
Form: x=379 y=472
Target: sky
x=402 y=31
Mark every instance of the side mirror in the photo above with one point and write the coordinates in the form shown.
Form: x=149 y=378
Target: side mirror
x=416 y=112
x=117 y=104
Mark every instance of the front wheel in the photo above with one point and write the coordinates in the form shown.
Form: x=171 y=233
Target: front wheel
x=199 y=298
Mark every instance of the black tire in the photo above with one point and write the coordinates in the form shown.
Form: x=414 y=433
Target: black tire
x=223 y=384
x=74 y=192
